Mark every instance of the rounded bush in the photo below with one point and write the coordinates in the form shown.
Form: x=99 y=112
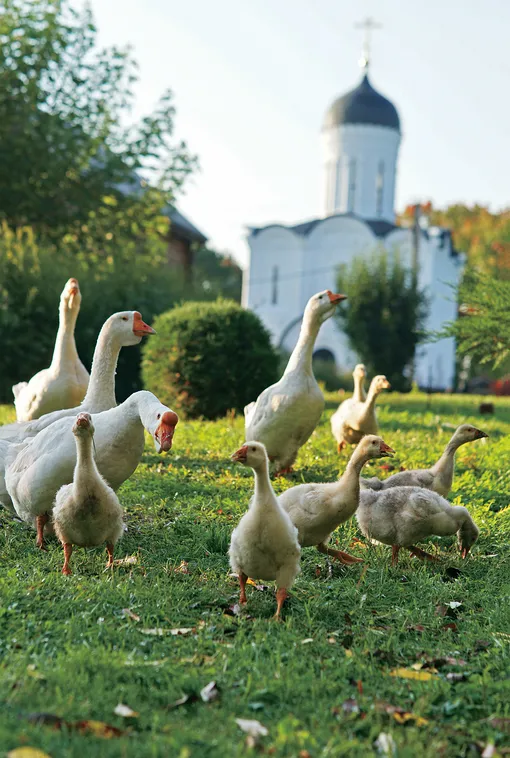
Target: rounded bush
x=208 y=358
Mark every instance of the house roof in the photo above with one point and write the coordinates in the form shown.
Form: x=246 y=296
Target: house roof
x=362 y=105
x=182 y=227
x=378 y=226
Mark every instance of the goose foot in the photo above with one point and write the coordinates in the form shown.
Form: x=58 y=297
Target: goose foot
x=281 y=596
x=285 y=471
x=109 y=549
x=242 y=583
x=419 y=553
x=394 y=554
x=41 y=522
x=68 y=549
x=344 y=558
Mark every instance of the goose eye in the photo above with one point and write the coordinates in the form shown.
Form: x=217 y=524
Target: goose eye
x=158 y=416
x=125 y=318
x=254 y=449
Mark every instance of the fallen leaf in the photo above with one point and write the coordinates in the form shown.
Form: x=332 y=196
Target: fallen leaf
x=456 y=677
x=184 y=700
x=27 y=752
x=416 y=628
x=157 y=631
x=160 y=632
x=348 y=653
x=182 y=568
x=127 y=612
x=421 y=676
x=209 y=692
x=97 y=728
x=307 y=641
x=125 y=711
x=350 y=705
x=400 y=715
x=385 y=745
x=182 y=631
x=418 y=667
x=332 y=640
x=252 y=727
x=452 y=627
x=450 y=610
x=46 y=719
x=259 y=587
x=129 y=560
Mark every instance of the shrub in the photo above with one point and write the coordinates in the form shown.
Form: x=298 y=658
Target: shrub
x=208 y=358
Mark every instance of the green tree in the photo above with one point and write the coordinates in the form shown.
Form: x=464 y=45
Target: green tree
x=64 y=103
x=383 y=316
x=482 y=330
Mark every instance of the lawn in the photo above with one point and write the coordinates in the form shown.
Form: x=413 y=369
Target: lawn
x=328 y=679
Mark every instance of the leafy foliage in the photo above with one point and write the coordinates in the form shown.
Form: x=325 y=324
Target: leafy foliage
x=208 y=358
x=483 y=329
x=64 y=148
x=383 y=316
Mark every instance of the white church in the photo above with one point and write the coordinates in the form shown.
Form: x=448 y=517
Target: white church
x=361 y=136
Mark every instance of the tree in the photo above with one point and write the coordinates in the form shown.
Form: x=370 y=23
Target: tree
x=482 y=330
x=482 y=235
x=64 y=145
x=383 y=316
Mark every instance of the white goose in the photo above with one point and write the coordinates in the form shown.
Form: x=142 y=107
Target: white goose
x=87 y=512
x=318 y=509
x=264 y=544
x=354 y=417
x=119 y=330
x=285 y=414
x=438 y=478
x=64 y=383
x=39 y=467
x=402 y=516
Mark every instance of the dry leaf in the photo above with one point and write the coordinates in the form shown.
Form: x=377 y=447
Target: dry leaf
x=209 y=692
x=27 y=752
x=182 y=631
x=416 y=628
x=307 y=641
x=160 y=632
x=421 y=676
x=129 y=560
x=400 y=715
x=97 y=728
x=130 y=614
x=184 y=700
x=182 y=568
x=348 y=653
x=452 y=627
x=385 y=745
x=252 y=727
x=125 y=711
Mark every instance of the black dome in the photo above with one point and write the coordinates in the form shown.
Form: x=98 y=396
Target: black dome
x=362 y=105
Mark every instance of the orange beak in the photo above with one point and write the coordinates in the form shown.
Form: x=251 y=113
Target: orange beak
x=166 y=428
x=140 y=328
x=479 y=434
x=74 y=289
x=386 y=450
x=240 y=455
x=464 y=551
x=387 y=385
x=335 y=298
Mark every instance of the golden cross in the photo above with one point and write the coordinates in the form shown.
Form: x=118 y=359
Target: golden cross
x=368 y=25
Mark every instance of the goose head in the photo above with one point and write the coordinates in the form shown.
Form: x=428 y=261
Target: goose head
x=127 y=328
x=467 y=433
x=322 y=306
x=372 y=446
x=379 y=383
x=70 y=299
x=468 y=534
x=360 y=371
x=251 y=454
x=163 y=434
x=83 y=426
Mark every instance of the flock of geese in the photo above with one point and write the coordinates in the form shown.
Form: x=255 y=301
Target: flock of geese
x=72 y=447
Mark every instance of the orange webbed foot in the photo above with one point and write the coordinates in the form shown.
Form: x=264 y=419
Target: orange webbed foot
x=419 y=553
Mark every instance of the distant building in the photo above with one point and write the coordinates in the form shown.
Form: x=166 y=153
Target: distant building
x=287 y=264
x=183 y=239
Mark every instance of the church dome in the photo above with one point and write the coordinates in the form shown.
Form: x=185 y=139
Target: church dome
x=363 y=105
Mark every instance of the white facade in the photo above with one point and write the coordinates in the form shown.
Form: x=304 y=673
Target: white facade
x=360 y=164
x=287 y=265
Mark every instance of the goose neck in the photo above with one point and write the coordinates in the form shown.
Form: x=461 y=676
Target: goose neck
x=101 y=389
x=301 y=357
x=65 y=351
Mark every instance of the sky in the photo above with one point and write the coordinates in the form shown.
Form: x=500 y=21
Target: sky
x=252 y=81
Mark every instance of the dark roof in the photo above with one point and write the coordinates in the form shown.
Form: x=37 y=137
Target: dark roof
x=181 y=227
x=363 y=105
x=379 y=227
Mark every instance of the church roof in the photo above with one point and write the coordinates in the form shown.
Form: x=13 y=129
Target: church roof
x=378 y=226
x=363 y=105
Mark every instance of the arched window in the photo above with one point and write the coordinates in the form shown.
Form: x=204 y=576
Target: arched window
x=379 y=189
x=274 y=286
x=351 y=194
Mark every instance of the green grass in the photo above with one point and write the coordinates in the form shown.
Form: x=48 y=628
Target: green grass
x=68 y=648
